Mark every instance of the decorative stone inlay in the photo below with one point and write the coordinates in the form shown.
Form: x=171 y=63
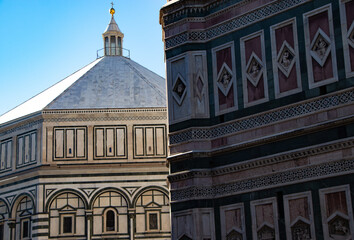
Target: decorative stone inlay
x=264 y=119
x=266 y=233
x=286 y=58
x=254 y=69
x=351 y=35
x=233 y=24
x=234 y=235
x=301 y=230
x=224 y=81
x=199 y=87
x=339 y=227
x=179 y=89
x=320 y=47
x=286 y=177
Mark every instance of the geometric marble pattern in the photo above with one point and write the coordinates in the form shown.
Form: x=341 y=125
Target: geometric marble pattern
x=254 y=69
x=263 y=119
x=179 y=89
x=247 y=185
x=350 y=35
x=233 y=24
x=286 y=58
x=224 y=81
x=320 y=47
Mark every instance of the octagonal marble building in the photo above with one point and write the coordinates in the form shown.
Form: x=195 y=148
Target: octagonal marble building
x=85 y=158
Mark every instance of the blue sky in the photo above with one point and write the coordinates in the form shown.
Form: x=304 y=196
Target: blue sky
x=44 y=41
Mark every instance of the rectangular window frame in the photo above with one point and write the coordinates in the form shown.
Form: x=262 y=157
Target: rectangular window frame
x=74 y=151
x=30 y=148
x=2 y=230
x=24 y=220
x=147 y=221
x=7 y=155
x=145 y=155
x=73 y=227
x=105 y=151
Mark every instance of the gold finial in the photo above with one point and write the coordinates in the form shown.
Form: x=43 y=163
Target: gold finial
x=112 y=10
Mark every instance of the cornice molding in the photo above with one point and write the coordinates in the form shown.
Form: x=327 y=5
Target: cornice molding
x=292 y=176
x=264 y=161
x=259 y=14
x=263 y=119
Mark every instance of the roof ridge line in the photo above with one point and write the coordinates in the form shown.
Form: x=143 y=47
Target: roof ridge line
x=66 y=89
x=144 y=78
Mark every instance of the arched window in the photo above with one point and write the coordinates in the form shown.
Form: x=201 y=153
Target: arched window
x=110 y=221
x=152 y=208
x=109 y=210
x=66 y=212
x=106 y=45
x=113 y=45
x=120 y=46
x=24 y=212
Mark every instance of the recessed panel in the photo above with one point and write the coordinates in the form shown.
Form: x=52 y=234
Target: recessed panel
x=20 y=151
x=110 y=142
x=59 y=143
x=9 y=154
x=80 y=142
x=99 y=143
x=139 y=141
x=3 y=156
x=160 y=141
x=70 y=143
x=120 y=142
x=33 y=147
x=27 y=149
x=149 y=141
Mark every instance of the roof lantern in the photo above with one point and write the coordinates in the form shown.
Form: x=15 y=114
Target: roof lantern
x=113 y=37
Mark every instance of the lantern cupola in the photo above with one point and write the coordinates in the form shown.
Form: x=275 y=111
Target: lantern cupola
x=113 y=37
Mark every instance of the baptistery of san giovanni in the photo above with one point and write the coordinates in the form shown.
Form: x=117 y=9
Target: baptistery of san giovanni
x=85 y=158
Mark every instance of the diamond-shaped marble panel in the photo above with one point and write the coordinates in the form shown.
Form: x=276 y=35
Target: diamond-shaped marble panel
x=254 y=69
x=179 y=89
x=199 y=87
x=320 y=47
x=286 y=59
x=224 y=81
x=351 y=35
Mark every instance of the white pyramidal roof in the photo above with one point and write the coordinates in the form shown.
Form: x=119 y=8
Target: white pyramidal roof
x=108 y=82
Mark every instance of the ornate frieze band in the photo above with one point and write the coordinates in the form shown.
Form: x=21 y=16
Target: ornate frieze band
x=264 y=161
x=128 y=118
x=286 y=177
x=264 y=119
x=24 y=126
x=234 y=24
